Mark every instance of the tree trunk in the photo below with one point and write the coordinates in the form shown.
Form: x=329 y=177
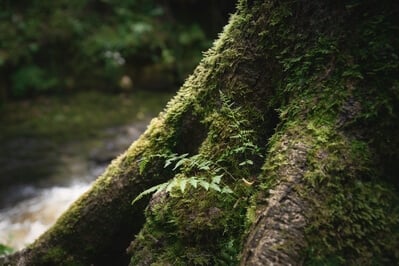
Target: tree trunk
x=280 y=149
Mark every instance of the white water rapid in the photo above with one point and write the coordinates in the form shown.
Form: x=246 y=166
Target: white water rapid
x=29 y=210
x=21 y=224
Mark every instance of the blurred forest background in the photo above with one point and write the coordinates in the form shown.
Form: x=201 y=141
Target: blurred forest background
x=79 y=81
x=71 y=68
x=52 y=47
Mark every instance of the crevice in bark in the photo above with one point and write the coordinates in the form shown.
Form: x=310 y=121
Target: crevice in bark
x=277 y=235
x=319 y=196
x=190 y=133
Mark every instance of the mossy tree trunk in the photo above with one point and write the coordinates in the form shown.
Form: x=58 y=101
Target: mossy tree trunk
x=281 y=148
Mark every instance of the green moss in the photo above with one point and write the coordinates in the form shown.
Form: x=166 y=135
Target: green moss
x=354 y=218
x=60 y=256
x=324 y=95
x=356 y=223
x=190 y=232
x=354 y=215
x=314 y=78
x=198 y=226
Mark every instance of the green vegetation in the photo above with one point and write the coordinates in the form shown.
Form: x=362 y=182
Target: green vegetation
x=53 y=47
x=4 y=250
x=337 y=77
x=294 y=112
x=200 y=214
x=208 y=173
x=326 y=89
x=77 y=116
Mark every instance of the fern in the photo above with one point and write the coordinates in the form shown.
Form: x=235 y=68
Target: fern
x=243 y=145
x=180 y=183
x=155 y=189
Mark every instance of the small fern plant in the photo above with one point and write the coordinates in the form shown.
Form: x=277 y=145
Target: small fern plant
x=181 y=182
x=209 y=174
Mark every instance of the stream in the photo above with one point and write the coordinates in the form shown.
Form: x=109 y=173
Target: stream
x=27 y=210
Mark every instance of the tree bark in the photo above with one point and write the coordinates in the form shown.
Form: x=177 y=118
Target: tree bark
x=295 y=110
x=277 y=235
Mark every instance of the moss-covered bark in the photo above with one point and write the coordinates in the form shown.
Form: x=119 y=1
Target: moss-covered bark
x=281 y=148
x=99 y=226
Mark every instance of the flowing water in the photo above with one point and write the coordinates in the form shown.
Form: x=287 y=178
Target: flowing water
x=24 y=222
x=28 y=210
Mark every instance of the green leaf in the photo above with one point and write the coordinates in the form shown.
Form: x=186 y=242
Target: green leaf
x=169 y=162
x=142 y=164
x=179 y=163
x=215 y=187
x=184 y=155
x=204 y=166
x=193 y=181
x=183 y=184
x=174 y=183
x=156 y=188
x=5 y=250
x=226 y=190
x=239 y=150
x=246 y=162
x=204 y=184
x=216 y=179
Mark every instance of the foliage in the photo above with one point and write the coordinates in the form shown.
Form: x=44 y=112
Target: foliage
x=180 y=182
x=209 y=173
x=206 y=187
x=326 y=151
x=67 y=45
x=32 y=78
x=4 y=250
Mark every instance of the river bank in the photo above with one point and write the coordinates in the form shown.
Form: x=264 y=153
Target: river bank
x=51 y=149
